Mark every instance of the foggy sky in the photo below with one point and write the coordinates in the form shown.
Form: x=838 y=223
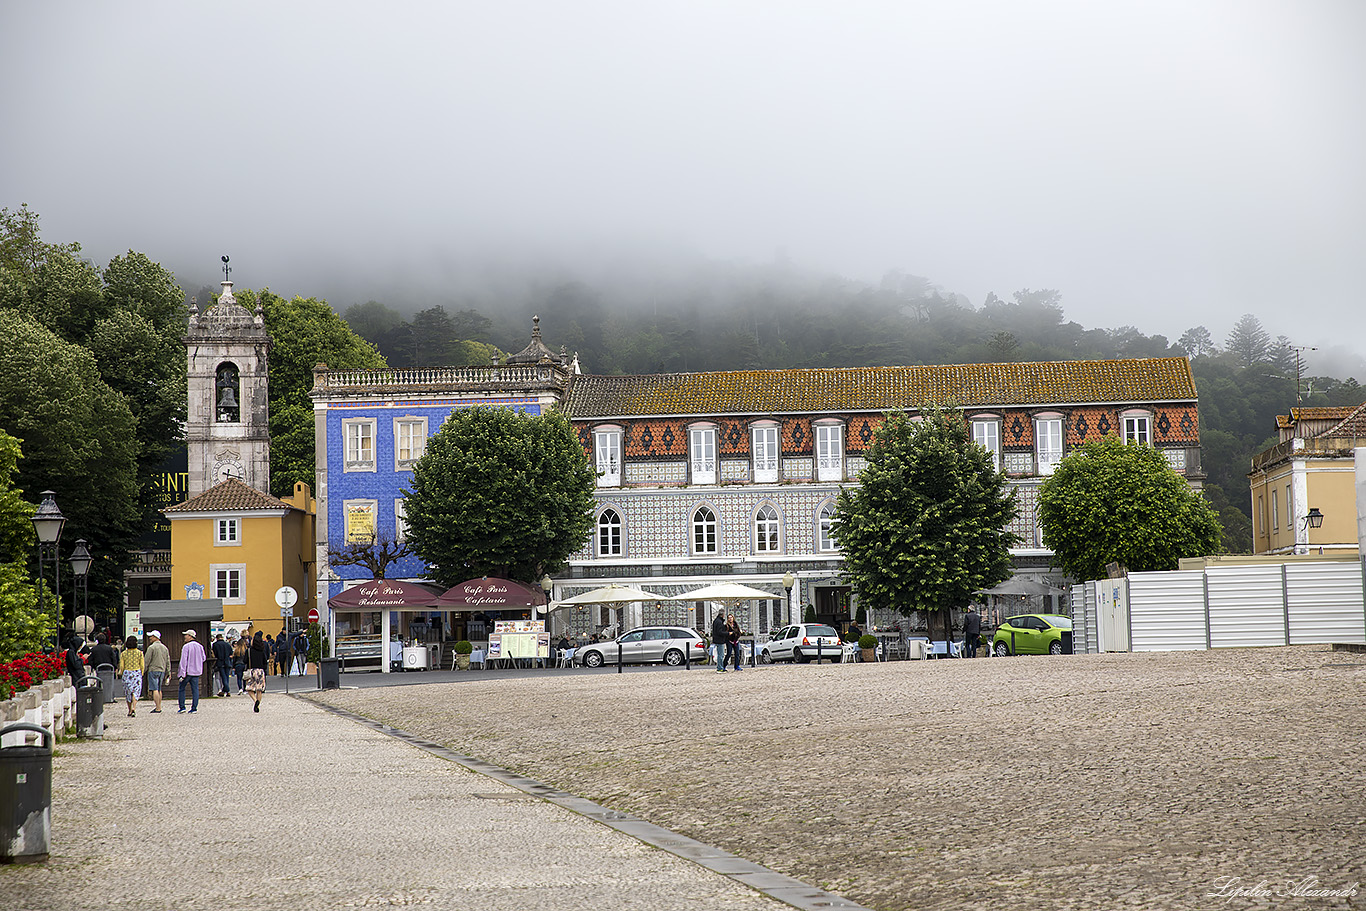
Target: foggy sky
x=1162 y=163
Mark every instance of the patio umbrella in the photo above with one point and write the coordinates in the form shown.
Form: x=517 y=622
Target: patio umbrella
x=1022 y=587
x=608 y=594
x=729 y=592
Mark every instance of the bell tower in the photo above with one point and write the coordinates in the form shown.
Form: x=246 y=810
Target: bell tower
x=227 y=420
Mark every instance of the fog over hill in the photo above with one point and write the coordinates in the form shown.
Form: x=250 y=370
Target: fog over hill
x=1163 y=164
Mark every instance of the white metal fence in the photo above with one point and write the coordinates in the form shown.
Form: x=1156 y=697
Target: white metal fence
x=1224 y=607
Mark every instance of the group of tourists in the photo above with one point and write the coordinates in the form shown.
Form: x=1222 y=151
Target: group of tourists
x=249 y=659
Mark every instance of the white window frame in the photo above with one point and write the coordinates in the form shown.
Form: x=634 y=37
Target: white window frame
x=1289 y=510
x=986 y=432
x=611 y=536
x=704 y=534
x=765 y=443
x=607 y=456
x=829 y=451
x=1261 y=514
x=356 y=431
x=825 y=520
x=1138 y=428
x=768 y=530
x=353 y=506
x=221 y=578
x=410 y=435
x=227 y=532
x=400 y=520
x=1275 y=510
x=1048 y=446
x=702 y=455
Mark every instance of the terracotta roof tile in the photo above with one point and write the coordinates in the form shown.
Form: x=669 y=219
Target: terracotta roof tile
x=1352 y=425
x=882 y=388
x=1314 y=413
x=231 y=495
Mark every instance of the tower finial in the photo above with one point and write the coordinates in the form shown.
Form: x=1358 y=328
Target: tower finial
x=226 y=268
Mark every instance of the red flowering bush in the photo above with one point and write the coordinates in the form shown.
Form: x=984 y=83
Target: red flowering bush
x=30 y=670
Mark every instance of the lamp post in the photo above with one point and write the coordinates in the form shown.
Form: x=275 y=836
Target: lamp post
x=1314 y=519
x=47 y=523
x=80 y=568
x=789 y=581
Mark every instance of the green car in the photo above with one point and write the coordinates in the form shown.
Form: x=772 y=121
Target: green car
x=1033 y=634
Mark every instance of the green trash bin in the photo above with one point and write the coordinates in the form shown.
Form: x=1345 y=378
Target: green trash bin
x=90 y=708
x=25 y=798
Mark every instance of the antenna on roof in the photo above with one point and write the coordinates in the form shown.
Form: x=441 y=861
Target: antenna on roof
x=1299 y=365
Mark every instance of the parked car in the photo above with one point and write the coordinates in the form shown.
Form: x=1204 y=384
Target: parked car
x=803 y=642
x=1033 y=634
x=644 y=645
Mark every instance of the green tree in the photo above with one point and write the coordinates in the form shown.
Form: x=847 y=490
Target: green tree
x=500 y=493
x=1197 y=342
x=26 y=622
x=1112 y=502
x=304 y=332
x=926 y=527
x=1248 y=343
x=79 y=440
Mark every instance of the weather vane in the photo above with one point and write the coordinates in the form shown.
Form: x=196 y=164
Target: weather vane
x=226 y=268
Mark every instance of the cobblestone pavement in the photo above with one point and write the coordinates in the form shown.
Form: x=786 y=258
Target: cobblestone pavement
x=296 y=808
x=1078 y=782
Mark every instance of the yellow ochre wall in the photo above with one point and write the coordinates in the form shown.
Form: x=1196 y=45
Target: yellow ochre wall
x=275 y=550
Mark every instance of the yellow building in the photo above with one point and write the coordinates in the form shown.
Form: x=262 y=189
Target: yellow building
x=238 y=544
x=1304 y=488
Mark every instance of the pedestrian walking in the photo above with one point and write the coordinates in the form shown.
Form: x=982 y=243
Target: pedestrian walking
x=258 y=659
x=301 y=644
x=282 y=653
x=733 y=641
x=157 y=664
x=130 y=666
x=102 y=653
x=192 y=659
x=239 y=662
x=222 y=663
x=972 y=631
x=75 y=664
x=720 y=635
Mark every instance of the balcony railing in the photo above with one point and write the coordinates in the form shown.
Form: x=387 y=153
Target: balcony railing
x=518 y=376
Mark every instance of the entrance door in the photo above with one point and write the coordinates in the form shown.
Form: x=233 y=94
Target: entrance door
x=832 y=605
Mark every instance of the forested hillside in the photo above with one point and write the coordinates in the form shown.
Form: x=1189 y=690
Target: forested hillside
x=776 y=318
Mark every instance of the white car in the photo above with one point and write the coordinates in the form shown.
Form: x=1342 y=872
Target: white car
x=646 y=644
x=803 y=642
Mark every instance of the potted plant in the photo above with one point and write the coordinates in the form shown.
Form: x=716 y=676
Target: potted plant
x=868 y=643
x=462 y=654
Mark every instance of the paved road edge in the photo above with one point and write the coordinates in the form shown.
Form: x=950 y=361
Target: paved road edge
x=779 y=886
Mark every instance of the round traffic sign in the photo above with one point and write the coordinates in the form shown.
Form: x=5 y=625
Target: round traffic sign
x=286 y=596
x=312 y=615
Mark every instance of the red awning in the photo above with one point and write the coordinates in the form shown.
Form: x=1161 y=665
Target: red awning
x=490 y=594
x=382 y=594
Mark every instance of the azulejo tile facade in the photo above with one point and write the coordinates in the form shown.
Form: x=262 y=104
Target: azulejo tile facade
x=732 y=475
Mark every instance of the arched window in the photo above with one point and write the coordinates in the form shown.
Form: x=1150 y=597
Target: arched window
x=228 y=395
x=609 y=534
x=766 y=530
x=704 y=531
x=824 y=521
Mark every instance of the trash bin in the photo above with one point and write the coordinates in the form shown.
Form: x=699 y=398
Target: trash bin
x=90 y=708
x=106 y=674
x=25 y=798
x=330 y=671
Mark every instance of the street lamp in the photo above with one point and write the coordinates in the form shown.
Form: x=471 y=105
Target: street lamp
x=47 y=523
x=789 y=580
x=80 y=568
x=546 y=585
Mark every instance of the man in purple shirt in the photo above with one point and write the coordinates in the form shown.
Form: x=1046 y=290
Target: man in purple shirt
x=191 y=666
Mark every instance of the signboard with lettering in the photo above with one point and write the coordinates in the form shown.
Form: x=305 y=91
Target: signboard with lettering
x=170 y=485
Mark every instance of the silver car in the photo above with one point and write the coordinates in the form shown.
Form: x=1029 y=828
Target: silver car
x=645 y=645
x=803 y=642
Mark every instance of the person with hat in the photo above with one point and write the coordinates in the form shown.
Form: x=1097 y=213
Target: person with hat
x=191 y=666
x=157 y=663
